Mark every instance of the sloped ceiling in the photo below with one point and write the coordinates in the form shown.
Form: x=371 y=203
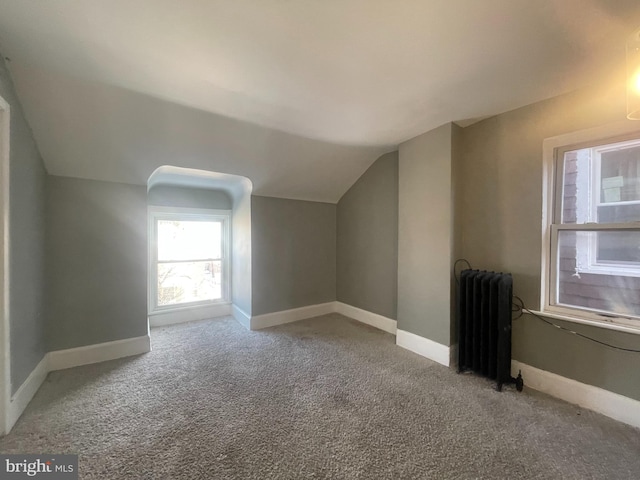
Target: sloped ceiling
x=298 y=96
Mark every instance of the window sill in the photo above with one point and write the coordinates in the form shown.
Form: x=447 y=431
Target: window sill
x=610 y=271
x=609 y=324
x=189 y=307
x=190 y=314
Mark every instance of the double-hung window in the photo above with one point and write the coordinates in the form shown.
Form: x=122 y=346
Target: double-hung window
x=189 y=258
x=594 y=234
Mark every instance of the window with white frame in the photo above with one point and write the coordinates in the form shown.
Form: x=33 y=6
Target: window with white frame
x=189 y=258
x=594 y=258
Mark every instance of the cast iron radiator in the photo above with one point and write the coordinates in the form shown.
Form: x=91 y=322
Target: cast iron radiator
x=484 y=325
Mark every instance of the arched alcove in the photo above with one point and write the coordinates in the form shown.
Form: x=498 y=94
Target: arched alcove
x=166 y=186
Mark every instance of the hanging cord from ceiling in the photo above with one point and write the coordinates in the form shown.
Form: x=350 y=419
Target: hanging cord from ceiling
x=521 y=309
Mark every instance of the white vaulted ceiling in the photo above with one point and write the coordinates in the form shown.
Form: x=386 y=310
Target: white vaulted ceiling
x=300 y=96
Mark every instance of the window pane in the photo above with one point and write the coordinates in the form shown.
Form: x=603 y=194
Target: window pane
x=186 y=282
x=601 y=184
x=599 y=270
x=618 y=247
x=619 y=213
x=189 y=240
x=619 y=175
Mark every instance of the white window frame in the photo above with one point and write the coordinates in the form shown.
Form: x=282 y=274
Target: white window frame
x=552 y=189
x=187 y=214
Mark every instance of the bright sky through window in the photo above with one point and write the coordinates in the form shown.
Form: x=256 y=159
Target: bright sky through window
x=186 y=240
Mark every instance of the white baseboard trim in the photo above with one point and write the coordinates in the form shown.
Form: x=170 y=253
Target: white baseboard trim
x=364 y=316
x=423 y=346
x=242 y=317
x=191 y=314
x=101 y=352
x=618 y=407
x=73 y=357
x=25 y=393
x=267 y=320
x=287 y=316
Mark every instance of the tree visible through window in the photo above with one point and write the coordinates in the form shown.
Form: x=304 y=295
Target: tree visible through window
x=189 y=259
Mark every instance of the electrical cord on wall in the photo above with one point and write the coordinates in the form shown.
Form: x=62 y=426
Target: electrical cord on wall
x=455 y=267
x=522 y=309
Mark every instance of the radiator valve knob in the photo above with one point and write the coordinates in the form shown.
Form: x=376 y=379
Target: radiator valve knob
x=519 y=381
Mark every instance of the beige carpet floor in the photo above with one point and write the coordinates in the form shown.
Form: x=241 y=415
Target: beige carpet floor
x=322 y=398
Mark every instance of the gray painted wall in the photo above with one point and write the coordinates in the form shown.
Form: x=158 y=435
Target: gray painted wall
x=367 y=240
x=96 y=262
x=425 y=235
x=26 y=254
x=187 y=197
x=501 y=193
x=293 y=253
